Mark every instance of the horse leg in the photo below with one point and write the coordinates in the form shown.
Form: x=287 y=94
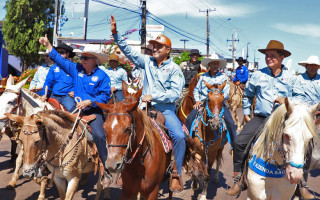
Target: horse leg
x=84 y=179
x=61 y=186
x=216 y=173
x=13 y=153
x=153 y=194
x=106 y=191
x=12 y=184
x=43 y=186
x=72 y=187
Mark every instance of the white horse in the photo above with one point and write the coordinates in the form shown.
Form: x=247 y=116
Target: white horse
x=283 y=144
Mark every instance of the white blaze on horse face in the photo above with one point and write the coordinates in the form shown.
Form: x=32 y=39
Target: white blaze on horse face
x=114 y=123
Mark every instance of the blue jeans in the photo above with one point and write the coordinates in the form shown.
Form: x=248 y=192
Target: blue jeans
x=66 y=100
x=231 y=127
x=177 y=136
x=119 y=95
x=98 y=133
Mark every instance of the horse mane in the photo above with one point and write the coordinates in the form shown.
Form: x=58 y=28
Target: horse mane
x=277 y=125
x=61 y=118
x=149 y=129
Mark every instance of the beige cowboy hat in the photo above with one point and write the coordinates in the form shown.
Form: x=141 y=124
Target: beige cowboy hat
x=214 y=57
x=275 y=45
x=102 y=57
x=312 y=60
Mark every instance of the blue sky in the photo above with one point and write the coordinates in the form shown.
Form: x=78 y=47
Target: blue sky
x=293 y=22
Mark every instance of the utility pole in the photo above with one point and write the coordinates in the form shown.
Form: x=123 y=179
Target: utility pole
x=55 y=37
x=86 y=9
x=143 y=25
x=184 y=43
x=234 y=40
x=247 y=63
x=208 y=40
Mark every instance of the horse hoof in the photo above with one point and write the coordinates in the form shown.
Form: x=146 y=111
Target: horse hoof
x=10 y=187
x=194 y=185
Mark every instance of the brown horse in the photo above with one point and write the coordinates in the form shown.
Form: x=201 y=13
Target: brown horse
x=235 y=102
x=135 y=150
x=210 y=135
x=188 y=100
x=48 y=138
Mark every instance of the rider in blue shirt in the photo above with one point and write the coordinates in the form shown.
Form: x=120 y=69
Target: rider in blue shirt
x=91 y=84
x=162 y=85
x=59 y=83
x=310 y=84
x=242 y=73
x=117 y=75
x=270 y=85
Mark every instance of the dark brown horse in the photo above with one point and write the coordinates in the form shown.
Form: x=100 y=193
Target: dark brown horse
x=188 y=100
x=135 y=150
x=210 y=135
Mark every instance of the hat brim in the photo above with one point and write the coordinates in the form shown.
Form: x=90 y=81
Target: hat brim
x=206 y=61
x=244 y=61
x=195 y=53
x=304 y=63
x=285 y=52
x=102 y=57
x=156 y=42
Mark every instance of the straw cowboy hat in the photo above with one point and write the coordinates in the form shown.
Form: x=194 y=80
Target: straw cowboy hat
x=114 y=57
x=277 y=46
x=214 y=57
x=312 y=60
x=102 y=57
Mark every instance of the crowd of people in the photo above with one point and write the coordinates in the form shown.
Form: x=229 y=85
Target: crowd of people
x=164 y=81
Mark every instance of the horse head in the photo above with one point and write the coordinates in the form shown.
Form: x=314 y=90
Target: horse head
x=295 y=145
x=120 y=133
x=214 y=103
x=130 y=92
x=32 y=142
x=9 y=99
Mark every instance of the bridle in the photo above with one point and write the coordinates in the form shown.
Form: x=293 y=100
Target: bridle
x=128 y=146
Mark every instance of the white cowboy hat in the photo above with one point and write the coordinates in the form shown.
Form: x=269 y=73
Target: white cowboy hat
x=102 y=57
x=214 y=57
x=44 y=53
x=312 y=60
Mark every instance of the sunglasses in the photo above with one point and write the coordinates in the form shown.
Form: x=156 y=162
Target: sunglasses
x=45 y=56
x=86 y=58
x=62 y=52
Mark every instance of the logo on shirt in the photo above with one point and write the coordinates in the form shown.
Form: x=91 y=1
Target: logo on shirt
x=180 y=75
x=94 y=78
x=80 y=74
x=57 y=69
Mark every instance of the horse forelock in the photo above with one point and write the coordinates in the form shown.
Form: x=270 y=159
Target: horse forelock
x=277 y=124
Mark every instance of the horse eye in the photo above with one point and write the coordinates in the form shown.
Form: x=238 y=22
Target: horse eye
x=37 y=142
x=128 y=130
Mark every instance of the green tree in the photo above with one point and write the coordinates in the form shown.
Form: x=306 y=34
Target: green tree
x=25 y=22
x=183 y=57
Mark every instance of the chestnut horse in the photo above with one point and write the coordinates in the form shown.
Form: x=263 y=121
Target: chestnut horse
x=50 y=138
x=188 y=101
x=135 y=150
x=210 y=134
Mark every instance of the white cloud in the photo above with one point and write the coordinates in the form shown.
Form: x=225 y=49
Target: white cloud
x=312 y=30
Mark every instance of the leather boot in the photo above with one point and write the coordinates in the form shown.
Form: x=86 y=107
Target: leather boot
x=303 y=193
x=175 y=182
x=234 y=189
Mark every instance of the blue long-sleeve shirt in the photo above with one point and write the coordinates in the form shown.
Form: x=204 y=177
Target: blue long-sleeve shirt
x=242 y=74
x=95 y=86
x=267 y=88
x=310 y=87
x=58 y=82
x=164 y=83
x=116 y=77
x=200 y=92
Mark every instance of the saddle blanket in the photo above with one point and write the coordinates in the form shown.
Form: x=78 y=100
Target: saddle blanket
x=167 y=144
x=259 y=166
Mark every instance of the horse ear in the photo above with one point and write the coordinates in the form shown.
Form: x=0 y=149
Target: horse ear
x=131 y=107
x=314 y=109
x=21 y=84
x=39 y=122
x=199 y=68
x=207 y=85
x=222 y=85
x=288 y=106
x=10 y=81
x=138 y=94
x=15 y=118
x=125 y=88
x=105 y=107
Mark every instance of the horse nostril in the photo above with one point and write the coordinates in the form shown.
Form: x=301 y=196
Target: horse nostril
x=118 y=166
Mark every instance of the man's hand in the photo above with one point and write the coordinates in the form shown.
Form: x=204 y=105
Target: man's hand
x=71 y=94
x=83 y=104
x=44 y=98
x=147 y=98
x=113 y=24
x=279 y=100
x=197 y=105
x=237 y=82
x=113 y=89
x=247 y=118
x=44 y=41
